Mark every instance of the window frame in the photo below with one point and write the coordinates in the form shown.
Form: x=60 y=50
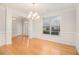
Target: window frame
x=50 y=26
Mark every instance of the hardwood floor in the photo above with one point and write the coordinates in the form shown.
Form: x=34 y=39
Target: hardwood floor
x=36 y=47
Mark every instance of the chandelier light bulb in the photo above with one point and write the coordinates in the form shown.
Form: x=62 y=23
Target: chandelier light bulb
x=35 y=14
x=30 y=14
x=37 y=17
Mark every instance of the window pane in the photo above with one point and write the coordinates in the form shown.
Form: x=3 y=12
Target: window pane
x=55 y=33
x=51 y=25
x=46 y=26
x=55 y=25
x=46 y=29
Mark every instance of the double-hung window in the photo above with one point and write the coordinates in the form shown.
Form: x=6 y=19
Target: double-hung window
x=51 y=25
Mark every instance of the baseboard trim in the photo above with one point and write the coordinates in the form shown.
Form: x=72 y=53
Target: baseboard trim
x=55 y=42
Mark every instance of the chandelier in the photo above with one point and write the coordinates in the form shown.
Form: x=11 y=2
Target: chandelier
x=33 y=14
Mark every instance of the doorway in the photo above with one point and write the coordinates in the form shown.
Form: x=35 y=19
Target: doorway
x=20 y=31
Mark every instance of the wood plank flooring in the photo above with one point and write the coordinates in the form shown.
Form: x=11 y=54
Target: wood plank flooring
x=36 y=47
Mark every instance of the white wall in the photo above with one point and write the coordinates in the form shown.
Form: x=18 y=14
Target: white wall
x=17 y=14
x=6 y=27
x=25 y=30
x=10 y=14
x=77 y=29
x=16 y=27
x=2 y=26
x=67 y=27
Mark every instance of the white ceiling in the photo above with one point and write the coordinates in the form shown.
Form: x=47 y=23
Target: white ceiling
x=41 y=8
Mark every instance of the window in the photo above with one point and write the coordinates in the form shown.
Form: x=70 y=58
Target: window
x=51 y=25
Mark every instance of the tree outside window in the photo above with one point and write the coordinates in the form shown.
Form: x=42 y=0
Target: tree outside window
x=51 y=25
